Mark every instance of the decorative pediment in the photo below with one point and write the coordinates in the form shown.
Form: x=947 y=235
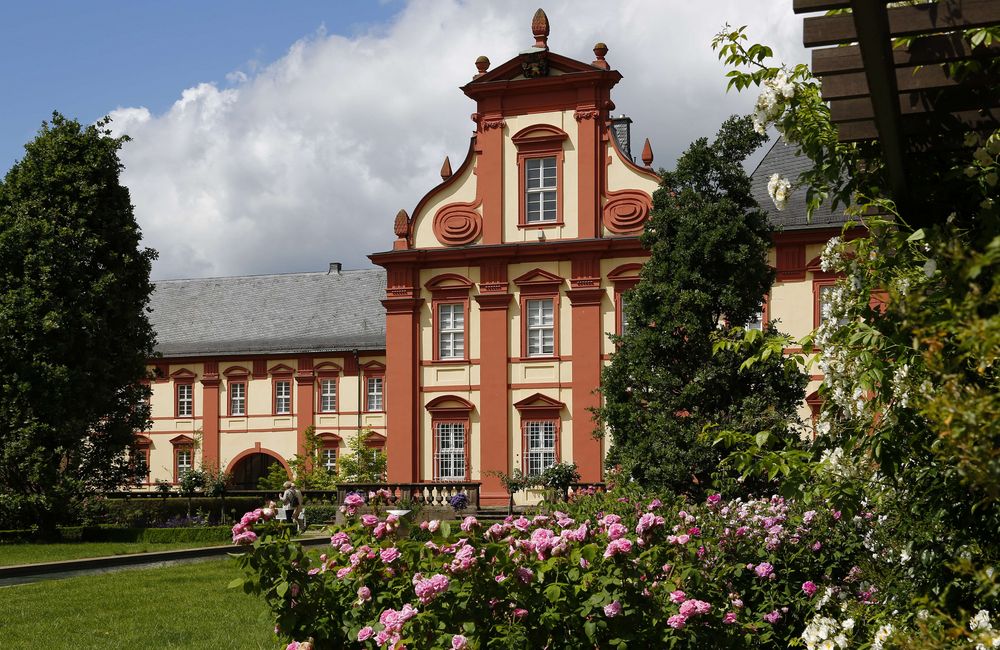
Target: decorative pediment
x=236 y=372
x=327 y=368
x=142 y=441
x=539 y=405
x=280 y=370
x=539 y=137
x=182 y=374
x=327 y=438
x=182 y=441
x=514 y=69
x=625 y=272
x=375 y=440
x=449 y=286
x=539 y=281
x=450 y=405
x=373 y=368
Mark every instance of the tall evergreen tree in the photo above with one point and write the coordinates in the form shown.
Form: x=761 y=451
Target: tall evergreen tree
x=74 y=332
x=708 y=244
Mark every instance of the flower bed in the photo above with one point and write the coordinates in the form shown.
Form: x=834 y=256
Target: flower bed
x=606 y=571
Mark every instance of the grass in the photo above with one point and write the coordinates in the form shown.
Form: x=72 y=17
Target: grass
x=180 y=606
x=11 y=554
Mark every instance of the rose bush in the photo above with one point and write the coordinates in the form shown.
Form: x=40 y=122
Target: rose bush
x=608 y=570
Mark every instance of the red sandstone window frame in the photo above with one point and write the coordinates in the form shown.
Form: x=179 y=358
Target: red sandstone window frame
x=533 y=142
x=181 y=444
x=329 y=442
x=237 y=376
x=183 y=377
x=142 y=448
x=328 y=371
x=819 y=285
x=539 y=285
x=282 y=374
x=450 y=409
x=544 y=409
x=624 y=278
x=449 y=289
x=373 y=370
x=815 y=404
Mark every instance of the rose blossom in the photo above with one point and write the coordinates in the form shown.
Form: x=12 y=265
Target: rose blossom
x=612 y=609
x=365 y=633
x=764 y=570
x=677 y=621
x=390 y=554
x=458 y=642
x=729 y=618
x=617 y=546
x=809 y=587
x=677 y=596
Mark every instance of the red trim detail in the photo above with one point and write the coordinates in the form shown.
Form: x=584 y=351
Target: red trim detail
x=236 y=371
x=539 y=406
x=375 y=440
x=643 y=171
x=458 y=224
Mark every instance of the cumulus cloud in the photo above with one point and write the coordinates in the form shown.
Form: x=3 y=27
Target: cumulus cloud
x=307 y=160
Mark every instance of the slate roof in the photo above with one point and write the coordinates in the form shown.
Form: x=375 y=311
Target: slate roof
x=291 y=312
x=781 y=159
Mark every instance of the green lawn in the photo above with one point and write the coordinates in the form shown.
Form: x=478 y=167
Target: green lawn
x=182 y=606
x=32 y=553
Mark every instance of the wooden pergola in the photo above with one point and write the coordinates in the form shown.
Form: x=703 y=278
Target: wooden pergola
x=904 y=97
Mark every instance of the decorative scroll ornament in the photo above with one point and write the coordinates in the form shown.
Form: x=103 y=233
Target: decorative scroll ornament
x=458 y=224
x=493 y=124
x=586 y=114
x=626 y=211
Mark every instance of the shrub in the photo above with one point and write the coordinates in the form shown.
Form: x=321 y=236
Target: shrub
x=611 y=571
x=207 y=534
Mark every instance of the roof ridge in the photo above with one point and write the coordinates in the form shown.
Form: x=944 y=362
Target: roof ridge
x=270 y=275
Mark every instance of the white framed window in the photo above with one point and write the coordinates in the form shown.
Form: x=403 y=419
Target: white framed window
x=185 y=460
x=451 y=331
x=328 y=395
x=540 y=445
x=375 y=386
x=449 y=460
x=283 y=397
x=756 y=321
x=540 y=329
x=540 y=190
x=185 y=400
x=328 y=459
x=237 y=398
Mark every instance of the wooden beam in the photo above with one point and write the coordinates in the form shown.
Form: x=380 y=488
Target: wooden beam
x=872 y=24
x=929 y=125
x=855 y=84
x=911 y=20
x=937 y=48
x=810 y=6
x=915 y=103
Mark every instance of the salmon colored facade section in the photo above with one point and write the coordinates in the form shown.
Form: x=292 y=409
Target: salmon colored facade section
x=235 y=412
x=537 y=304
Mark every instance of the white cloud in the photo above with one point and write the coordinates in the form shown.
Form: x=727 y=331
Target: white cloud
x=308 y=159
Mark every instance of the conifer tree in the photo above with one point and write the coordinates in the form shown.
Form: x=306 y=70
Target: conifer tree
x=708 y=243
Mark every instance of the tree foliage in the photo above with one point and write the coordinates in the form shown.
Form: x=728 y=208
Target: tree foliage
x=74 y=334
x=911 y=383
x=361 y=463
x=708 y=244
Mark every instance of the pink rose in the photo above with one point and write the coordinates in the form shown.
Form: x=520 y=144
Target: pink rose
x=369 y=521
x=468 y=524
x=389 y=555
x=459 y=642
x=764 y=570
x=616 y=531
x=433 y=525
x=677 y=621
x=365 y=633
x=809 y=587
x=612 y=609
x=364 y=594
x=677 y=596
x=729 y=618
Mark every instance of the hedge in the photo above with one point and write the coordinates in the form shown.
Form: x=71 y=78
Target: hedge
x=144 y=512
x=209 y=534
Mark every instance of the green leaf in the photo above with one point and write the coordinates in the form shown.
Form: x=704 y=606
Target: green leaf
x=282 y=588
x=917 y=236
x=237 y=582
x=761 y=438
x=553 y=593
x=446 y=529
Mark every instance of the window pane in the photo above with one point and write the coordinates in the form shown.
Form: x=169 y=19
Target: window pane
x=328 y=395
x=375 y=393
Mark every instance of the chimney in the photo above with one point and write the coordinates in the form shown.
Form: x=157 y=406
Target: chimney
x=622 y=129
x=334 y=268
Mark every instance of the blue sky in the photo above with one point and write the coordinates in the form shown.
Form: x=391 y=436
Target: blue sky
x=87 y=58
x=271 y=136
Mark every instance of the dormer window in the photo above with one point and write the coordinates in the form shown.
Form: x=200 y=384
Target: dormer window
x=541 y=185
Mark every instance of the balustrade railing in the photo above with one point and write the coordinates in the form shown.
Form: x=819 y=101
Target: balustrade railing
x=427 y=494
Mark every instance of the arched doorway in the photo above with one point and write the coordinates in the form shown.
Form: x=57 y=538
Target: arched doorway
x=248 y=469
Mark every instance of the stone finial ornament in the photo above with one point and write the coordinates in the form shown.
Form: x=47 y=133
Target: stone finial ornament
x=446 y=169
x=401 y=227
x=540 y=29
x=482 y=65
x=600 y=49
x=647 y=154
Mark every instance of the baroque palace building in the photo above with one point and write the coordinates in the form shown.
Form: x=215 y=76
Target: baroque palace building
x=477 y=347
